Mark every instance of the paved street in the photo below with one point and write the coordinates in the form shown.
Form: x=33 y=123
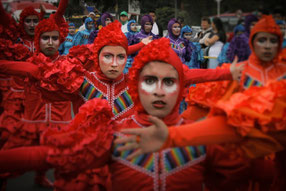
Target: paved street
x=26 y=183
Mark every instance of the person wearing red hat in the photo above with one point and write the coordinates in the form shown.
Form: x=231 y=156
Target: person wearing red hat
x=157 y=83
x=250 y=113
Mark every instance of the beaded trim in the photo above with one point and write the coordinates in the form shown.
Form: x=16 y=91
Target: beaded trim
x=89 y=91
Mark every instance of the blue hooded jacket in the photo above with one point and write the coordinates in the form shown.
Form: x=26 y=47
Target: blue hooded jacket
x=82 y=36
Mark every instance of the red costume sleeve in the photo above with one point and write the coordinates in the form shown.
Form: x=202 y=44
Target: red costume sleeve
x=24 y=159
x=213 y=130
x=195 y=76
x=134 y=48
x=16 y=68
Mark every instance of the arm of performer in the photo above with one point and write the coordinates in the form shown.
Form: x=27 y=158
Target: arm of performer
x=213 y=130
x=136 y=47
x=194 y=76
x=17 y=68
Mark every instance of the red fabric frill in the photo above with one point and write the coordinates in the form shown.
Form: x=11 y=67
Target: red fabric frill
x=260 y=107
x=209 y=93
x=88 y=137
x=85 y=54
x=11 y=51
x=65 y=74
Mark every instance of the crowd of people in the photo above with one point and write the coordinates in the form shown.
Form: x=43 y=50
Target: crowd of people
x=111 y=107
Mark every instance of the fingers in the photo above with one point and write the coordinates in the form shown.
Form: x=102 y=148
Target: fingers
x=122 y=140
x=134 y=131
x=156 y=121
x=135 y=154
x=235 y=60
x=127 y=147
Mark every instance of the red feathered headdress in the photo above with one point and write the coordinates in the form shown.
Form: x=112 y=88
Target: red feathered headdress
x=109 y=35
x=266 y=24
x=28 y=11
x=157 y=50
x=48 y=25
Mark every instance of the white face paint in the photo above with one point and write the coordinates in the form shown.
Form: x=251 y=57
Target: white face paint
x=151 y=87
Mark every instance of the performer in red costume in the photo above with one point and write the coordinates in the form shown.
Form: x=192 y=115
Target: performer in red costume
x=251 y=113
x=38 y=115
x=157 y=85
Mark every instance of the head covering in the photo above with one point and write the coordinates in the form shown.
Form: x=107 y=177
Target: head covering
x=265 y=24
x=71 y=24
x=91 y=13
x=170 y=25
x=104 y=16
x=28 y=11
x=157 y=50
x=238 y=28
x=48 y=25
x=87 y=20
x=129 y=25
x=185 y=29
x=124 y=13
x=144 y=19
x=248 y=20
x=110 y=35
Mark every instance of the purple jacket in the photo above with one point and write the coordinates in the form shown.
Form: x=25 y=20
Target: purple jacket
x=179 y=45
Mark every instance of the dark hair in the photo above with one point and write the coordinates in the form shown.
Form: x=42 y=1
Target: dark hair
x=279 y=10
x=206 y=19
x=180 y=19
x=152 y=11
x=83 y=18
x=219 y=26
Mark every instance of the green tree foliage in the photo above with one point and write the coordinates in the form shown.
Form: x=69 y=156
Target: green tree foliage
x=164 y=14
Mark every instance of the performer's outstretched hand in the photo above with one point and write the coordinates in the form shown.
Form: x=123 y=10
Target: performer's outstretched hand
x=236 y=70
x=144 y=140
x=147 y=40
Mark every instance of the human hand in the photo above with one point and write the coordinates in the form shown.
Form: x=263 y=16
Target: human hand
x=144 y=140
x=236 y=70
x=147 y=40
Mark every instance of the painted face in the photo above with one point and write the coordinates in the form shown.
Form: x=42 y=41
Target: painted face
x=107 y=21
x=112 y=60
x=133 y=27
x=176 y=29
x=89 y=25
x=188 y=35
x=72 y=30
x=30 y=23
x=50 y=42
x=158 y=88
x=265 y=46
x=205 y=25
x=148 y=27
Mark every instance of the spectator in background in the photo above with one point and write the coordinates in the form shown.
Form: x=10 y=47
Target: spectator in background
x=67 y=44
x=155 y=30
x=181 y=20
x=215 y=41
x=82 y=27
x=124 y=21
x=206 y=31
x=278 y=13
